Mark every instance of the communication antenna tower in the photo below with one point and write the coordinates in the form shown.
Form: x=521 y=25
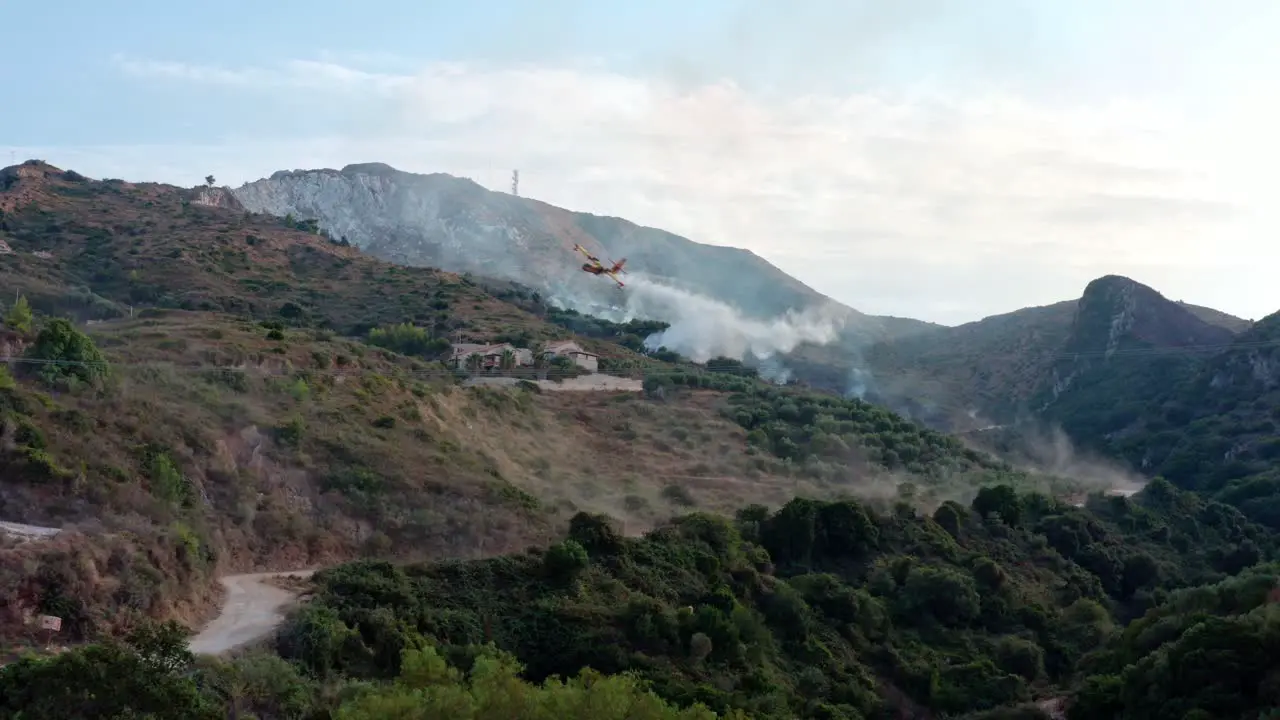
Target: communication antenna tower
x=515 y=183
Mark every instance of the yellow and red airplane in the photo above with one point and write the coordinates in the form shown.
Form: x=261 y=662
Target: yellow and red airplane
x=595 y=267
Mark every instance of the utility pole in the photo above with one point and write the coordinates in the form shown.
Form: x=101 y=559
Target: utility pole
x=515 y=183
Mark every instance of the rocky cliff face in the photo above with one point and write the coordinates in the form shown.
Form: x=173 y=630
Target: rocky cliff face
x=1252 y=365
x=1115 y=310
x=219 y=197
x=1120 y=320
x=455 y=224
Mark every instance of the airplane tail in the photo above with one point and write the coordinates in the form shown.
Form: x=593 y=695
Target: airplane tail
x=617 y=267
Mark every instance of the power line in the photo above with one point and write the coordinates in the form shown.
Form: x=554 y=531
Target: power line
x=553 y=373
x=1175 y=350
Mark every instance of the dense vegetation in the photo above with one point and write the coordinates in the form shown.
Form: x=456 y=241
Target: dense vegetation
x=818 y=610
x=151 y=674
x=1206 y=424
x=825 y=437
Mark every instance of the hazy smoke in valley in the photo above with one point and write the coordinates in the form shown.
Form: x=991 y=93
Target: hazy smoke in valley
x=1056 y=455
x=1052 y=452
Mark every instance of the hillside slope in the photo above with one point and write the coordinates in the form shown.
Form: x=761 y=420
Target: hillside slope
x=1219 y=318
x=217 y=445
x=224 y=409
x=1166 y=388
x=1055 y=362
x=1215 y=431
x=93 y=249
x=443 y=221
x=991 y=365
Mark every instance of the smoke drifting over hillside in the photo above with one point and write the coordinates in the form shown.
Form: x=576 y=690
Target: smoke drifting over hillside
x=703 y=328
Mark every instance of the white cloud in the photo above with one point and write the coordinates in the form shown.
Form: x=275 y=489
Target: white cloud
x=939 y=207
x=295 y=74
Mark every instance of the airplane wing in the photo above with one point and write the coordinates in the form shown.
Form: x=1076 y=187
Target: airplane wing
x=583 y=250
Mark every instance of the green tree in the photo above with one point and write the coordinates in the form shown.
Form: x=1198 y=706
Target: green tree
x=65 y=353
x=260 y=685
x=19 y=318
x=162 y=646
x=429 y=689
x=407 y=339
x=946 y=595
x=1002 y=500
x=104 y=680
x=166 y=480
x=565 y=560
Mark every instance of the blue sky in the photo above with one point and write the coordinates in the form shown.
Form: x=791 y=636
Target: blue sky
x=934 y=158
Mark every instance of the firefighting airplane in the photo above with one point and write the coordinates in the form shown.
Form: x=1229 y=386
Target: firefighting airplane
x=595 y=267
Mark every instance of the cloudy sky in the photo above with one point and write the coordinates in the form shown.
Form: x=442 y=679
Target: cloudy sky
x=939 y=159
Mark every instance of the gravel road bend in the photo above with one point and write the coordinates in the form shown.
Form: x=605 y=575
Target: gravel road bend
x=252 y=609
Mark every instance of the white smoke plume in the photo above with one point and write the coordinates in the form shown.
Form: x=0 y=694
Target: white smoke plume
x=772 y=369
x=859 y=383
x=703 y=328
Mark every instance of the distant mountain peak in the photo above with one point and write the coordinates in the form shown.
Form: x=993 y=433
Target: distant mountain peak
x=370 y=168
x=453 y=223
x=1115 y=311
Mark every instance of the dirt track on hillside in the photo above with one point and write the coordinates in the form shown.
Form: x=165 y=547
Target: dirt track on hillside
x=27 y=532
x=582 y=383
x=253 y=608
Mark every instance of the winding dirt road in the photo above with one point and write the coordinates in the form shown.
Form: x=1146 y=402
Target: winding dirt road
x=252 y=609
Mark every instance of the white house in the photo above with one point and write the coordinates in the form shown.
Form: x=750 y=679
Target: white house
x=573 y=351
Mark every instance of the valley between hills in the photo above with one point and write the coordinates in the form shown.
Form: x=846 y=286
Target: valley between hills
x=877 y=518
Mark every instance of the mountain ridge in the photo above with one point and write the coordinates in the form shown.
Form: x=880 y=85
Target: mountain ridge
x=1010 y=364
x=454 y=223
x=998 y=367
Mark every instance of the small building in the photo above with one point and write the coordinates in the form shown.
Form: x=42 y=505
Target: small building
x=462 y=351
x=490 y=355
x=573 y=351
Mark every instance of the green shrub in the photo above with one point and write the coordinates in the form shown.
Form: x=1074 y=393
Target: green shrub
x=63 y=353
